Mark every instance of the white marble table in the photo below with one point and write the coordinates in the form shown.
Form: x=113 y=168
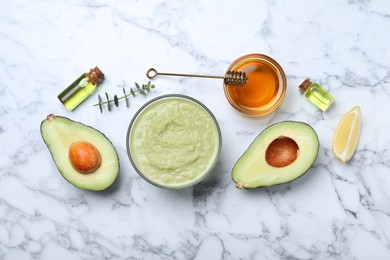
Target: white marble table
x=335 y=211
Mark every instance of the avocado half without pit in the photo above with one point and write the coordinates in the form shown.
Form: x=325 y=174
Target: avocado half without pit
x=83 y=155
x=281 y=153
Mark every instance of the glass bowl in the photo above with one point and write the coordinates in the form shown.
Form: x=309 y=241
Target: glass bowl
x=265 y=88
x=173 y=141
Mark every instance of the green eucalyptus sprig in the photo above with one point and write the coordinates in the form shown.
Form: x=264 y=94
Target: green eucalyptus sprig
x=144 y=89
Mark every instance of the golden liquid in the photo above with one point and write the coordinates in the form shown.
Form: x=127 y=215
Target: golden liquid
x=77 y=92
x=79 y=96
x=265 y=88
x=319 y=96
x=260 y=90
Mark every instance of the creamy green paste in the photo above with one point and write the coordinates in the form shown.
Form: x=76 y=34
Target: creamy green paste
x=174 y=141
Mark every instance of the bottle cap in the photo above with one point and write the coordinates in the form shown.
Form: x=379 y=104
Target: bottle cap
x=305 y=85
x=95 y=75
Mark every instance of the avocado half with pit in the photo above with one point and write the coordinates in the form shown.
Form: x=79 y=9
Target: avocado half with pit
x=281 y=153
x=83 y=155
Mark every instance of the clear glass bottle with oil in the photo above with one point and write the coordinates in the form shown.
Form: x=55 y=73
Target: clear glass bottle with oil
x=81 y=88
x=316 y=94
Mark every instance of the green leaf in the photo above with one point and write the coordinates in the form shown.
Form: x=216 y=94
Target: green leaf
x=132 y=92
x=140 y=89
x=100 y=104
x=108 y=103
x=125 y=95
x=116 y=102
x=145 y=88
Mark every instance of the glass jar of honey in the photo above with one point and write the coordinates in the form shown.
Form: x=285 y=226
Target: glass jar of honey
x=265 y=89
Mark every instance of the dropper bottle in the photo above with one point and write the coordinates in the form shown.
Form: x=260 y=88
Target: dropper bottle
x=81 y=88
x=316 y=94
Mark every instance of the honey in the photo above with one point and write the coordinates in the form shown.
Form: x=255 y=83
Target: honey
x=265 y=88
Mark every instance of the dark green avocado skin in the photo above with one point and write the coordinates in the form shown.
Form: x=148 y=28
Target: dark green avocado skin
x=50 y=150
x=239 y=186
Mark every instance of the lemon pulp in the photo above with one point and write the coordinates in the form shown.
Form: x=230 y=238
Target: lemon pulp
x=347 y=134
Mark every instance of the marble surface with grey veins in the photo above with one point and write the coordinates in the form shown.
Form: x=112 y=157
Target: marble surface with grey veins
x=335 y=211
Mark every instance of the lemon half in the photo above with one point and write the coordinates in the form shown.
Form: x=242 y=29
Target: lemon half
x=346 y=135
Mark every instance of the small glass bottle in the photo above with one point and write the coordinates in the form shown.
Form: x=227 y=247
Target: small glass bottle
x=316 y=94
x=81 y=88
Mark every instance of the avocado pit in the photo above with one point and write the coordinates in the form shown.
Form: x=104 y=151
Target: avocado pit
x=84 y=157
x=282 y=152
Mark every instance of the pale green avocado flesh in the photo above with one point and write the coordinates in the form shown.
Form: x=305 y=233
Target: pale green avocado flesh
x=60 y=132
x=268 y=162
